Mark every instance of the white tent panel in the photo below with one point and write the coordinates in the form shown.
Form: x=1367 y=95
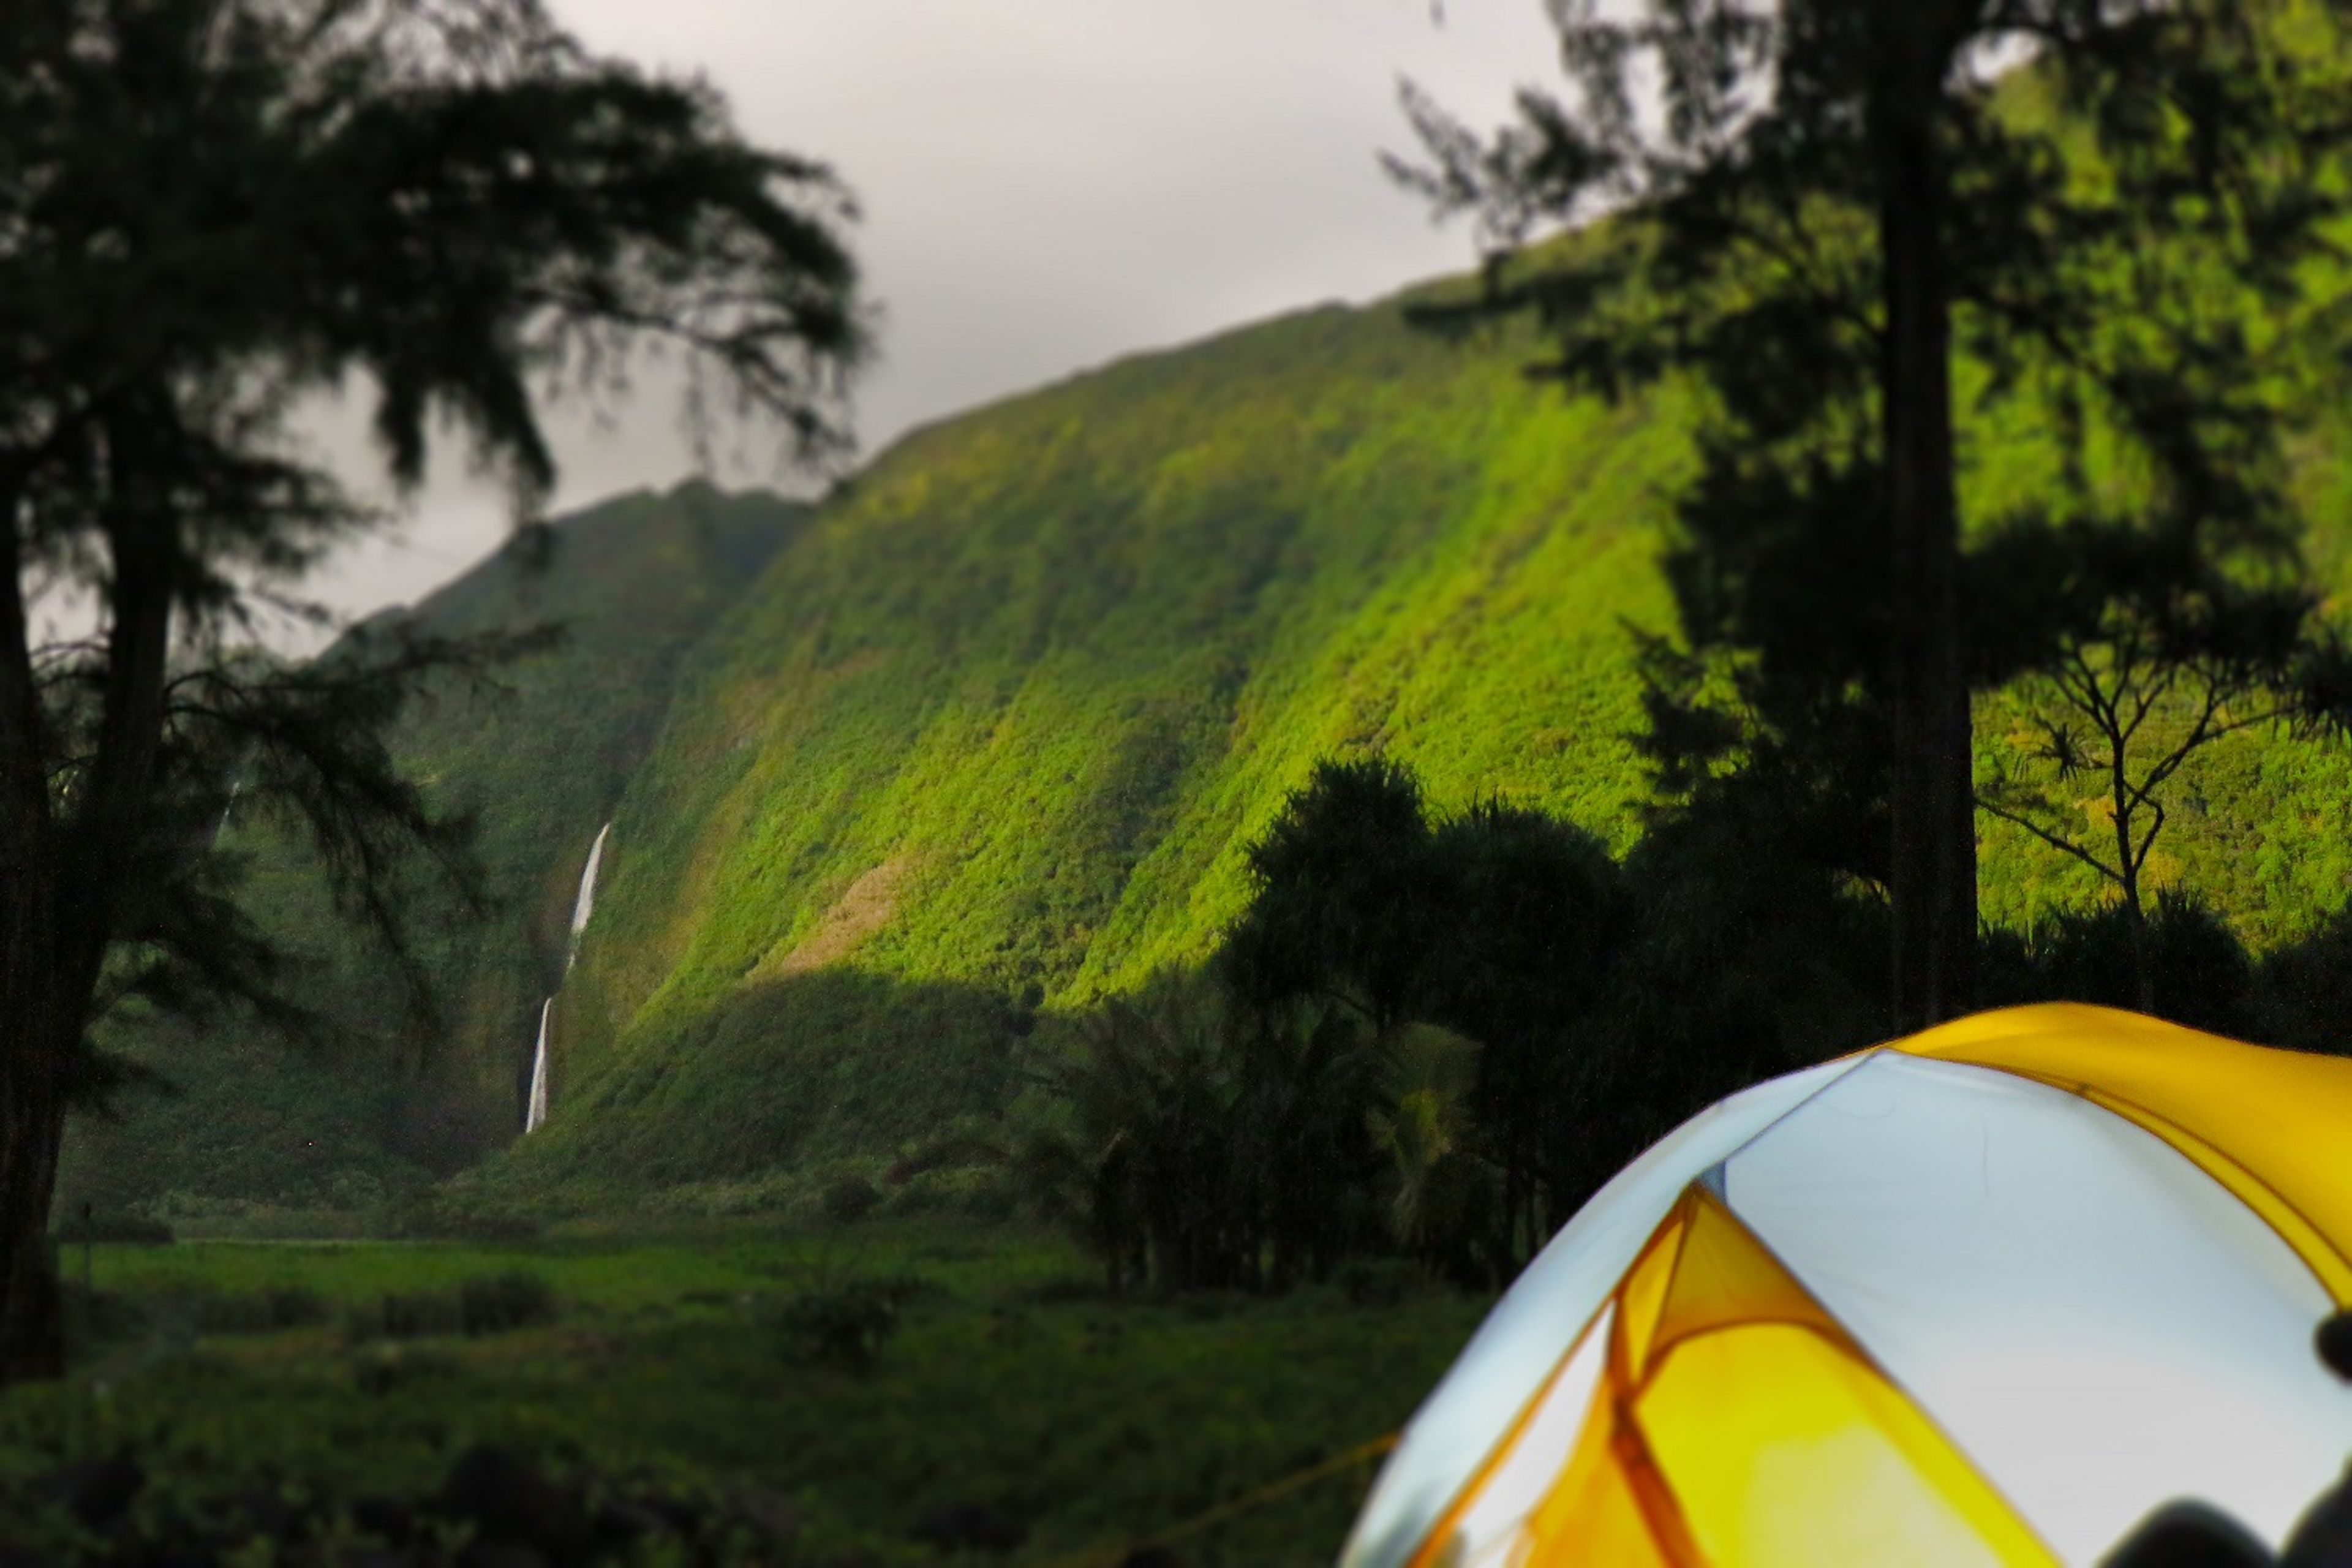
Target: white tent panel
x=2096 y=1323
x=1537 y=1319
x=1489 y=1528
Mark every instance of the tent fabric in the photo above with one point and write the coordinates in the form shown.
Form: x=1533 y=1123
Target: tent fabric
x=1766 y=1423
x=1707 y=1345
x=1516 y=1350
x=2097 y=1322
x=1536 y=1454
x=1989 y=1295
x=2270 y=1125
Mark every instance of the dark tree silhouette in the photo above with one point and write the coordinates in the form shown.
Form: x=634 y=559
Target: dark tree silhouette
x=2131 y=688
x=1833 y=204
x=1530 y=956
x=1499 y=926
x=1350 y=904
x=1203 y=1145
x=208 y=208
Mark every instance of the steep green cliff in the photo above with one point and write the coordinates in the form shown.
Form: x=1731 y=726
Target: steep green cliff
x=993 y=736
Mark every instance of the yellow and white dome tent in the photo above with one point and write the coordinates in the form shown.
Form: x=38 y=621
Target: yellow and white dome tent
x=1990 y=1294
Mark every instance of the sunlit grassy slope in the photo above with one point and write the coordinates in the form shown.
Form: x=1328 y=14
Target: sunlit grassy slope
x=995 y=733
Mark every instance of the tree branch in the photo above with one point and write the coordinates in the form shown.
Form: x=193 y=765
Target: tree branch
x=2054 y=841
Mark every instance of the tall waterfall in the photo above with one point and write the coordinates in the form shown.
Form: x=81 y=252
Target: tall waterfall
x=535 y=1111
x=583 y=905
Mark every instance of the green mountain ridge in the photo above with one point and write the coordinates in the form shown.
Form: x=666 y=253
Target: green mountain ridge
x=993 y=736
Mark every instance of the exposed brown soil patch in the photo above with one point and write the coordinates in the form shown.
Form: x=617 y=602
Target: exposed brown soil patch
x=863 y=909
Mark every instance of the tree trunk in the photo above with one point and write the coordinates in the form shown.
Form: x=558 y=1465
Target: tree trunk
x=106 y=828
x=32 y=1320
x=59 y=910
x=32 y=1339
x=1933 y=874
x=2143 y=958
x=2142 y=962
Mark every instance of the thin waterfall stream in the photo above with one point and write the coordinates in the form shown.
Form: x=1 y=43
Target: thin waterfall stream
x=535 y=1111
x=583 y=905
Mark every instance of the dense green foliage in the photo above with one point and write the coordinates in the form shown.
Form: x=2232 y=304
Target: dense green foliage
x=1297 y=811
x=994 y=735
x=1840 y=219
x=1481 y=969
x=1430 y=1042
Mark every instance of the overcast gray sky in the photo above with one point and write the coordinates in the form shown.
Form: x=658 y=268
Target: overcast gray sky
x=1046 y=185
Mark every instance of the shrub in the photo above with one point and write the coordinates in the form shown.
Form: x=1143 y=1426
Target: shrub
x=846 y=1324
x=492 y=1227
x=487 y=1304
x=493 y=1304
x=409 y=1315
x=1062 y=1290
x=851 y=1198
x=419 y=1223
x=2308 y=990
x=259 y=1313
x=114 y=1227
x=94 y=1317
x=2203 y=976
x=1377 y=1281
x=845 y=1327
x=380 y=1371
x=962 y=1190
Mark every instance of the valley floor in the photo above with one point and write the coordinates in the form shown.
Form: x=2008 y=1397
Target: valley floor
x=1010 y=1412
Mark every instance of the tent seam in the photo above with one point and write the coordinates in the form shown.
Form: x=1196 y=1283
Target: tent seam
x=1858 y=1059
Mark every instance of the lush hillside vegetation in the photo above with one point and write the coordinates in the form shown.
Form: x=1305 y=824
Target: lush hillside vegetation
x=540 y=762
x=991 y=738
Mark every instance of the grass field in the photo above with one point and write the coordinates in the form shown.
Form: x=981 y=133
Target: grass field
x=1010 y=1389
